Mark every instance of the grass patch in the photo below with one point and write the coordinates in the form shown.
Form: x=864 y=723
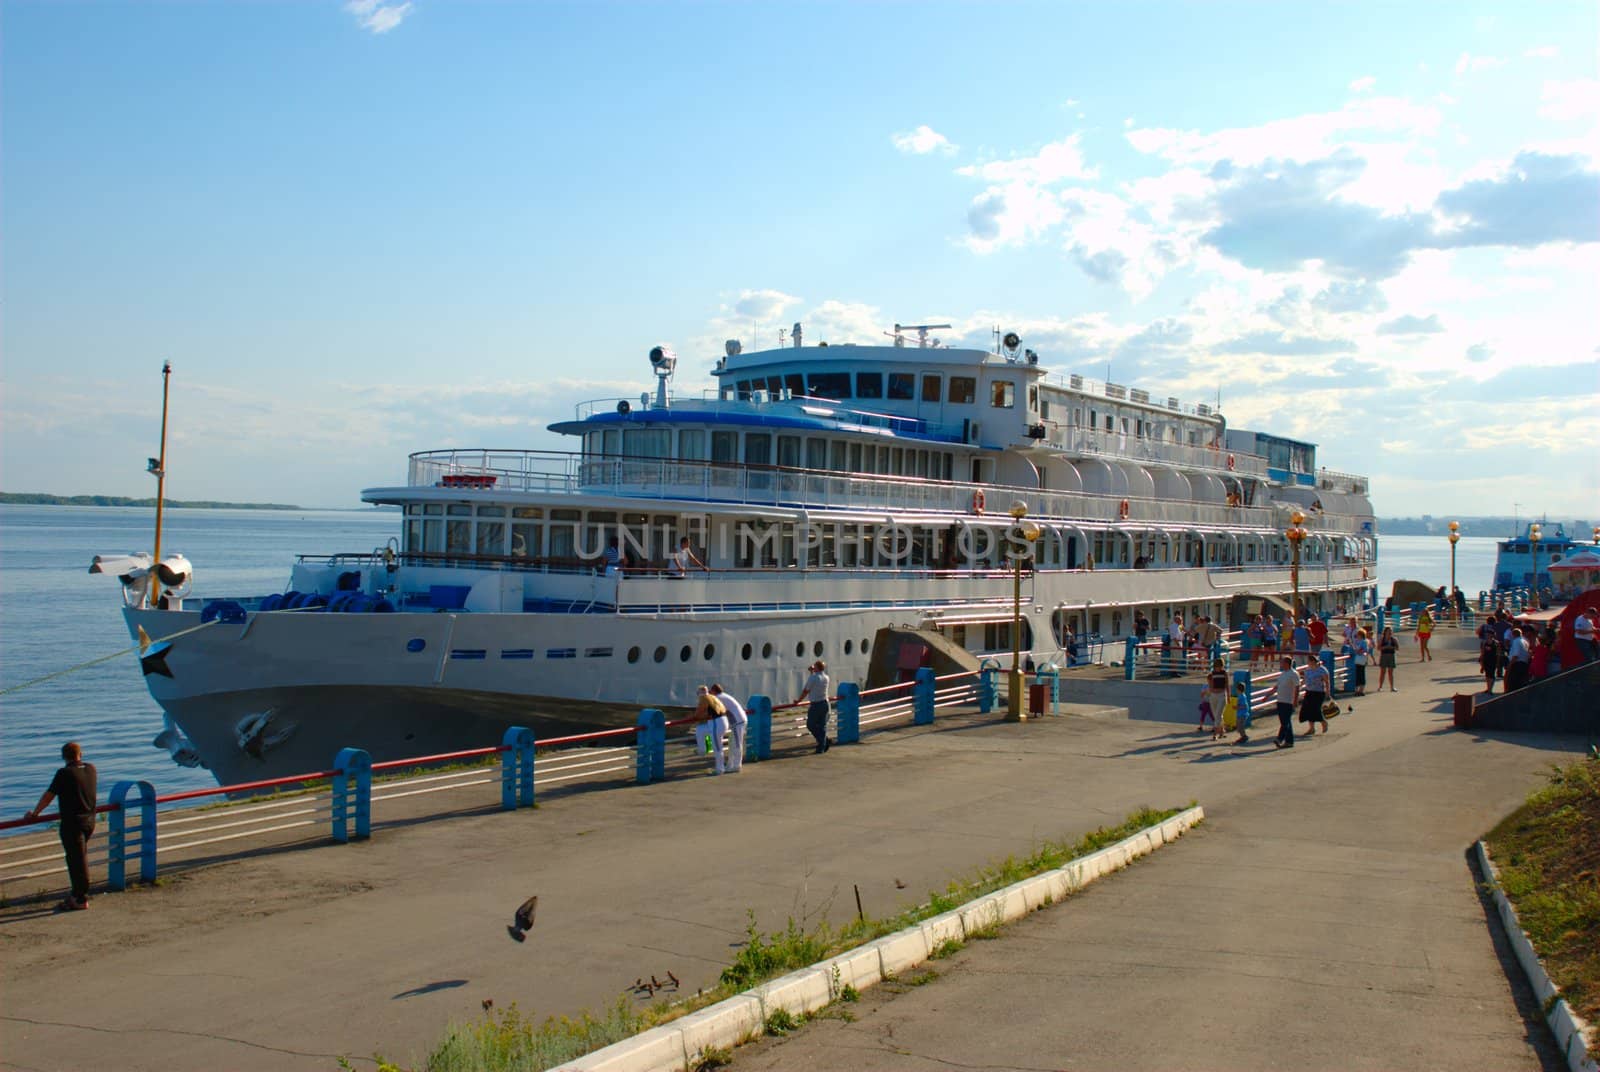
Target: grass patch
x=947 y=948
x=503 y=1040
x=1548 y=855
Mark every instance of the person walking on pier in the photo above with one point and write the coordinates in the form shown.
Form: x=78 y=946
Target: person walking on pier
x=1489 y=657
x=737 y=721
x=76 y=787
x=816 y=689
x=1424 y=634
x=1360 y=655
x=1285 y=693
x=1388 y=656
x=1318 y=686
x=710 y=726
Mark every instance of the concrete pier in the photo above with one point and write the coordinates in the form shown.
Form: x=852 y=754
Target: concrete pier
x=1324 y=917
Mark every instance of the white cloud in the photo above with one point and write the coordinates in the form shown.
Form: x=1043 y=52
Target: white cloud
x=376 y=15
x=763 y=304
x=1011 y=215
x=1363 y=84
x=1053 y=163
x=923 y=140
x=1575 y=99
x=1304 y=137
x=1544 y=52
x=1470 y=64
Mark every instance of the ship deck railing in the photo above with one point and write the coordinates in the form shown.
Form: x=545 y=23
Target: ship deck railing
x=1078 y=440
x=486 y=472
x=580 y=587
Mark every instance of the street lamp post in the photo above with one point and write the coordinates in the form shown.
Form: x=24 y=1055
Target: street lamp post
x=1455 y=537
x=1534 y=536
x=1028 y=531
x=1296 y=534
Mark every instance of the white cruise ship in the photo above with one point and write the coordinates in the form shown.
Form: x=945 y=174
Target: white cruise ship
x=825 y=492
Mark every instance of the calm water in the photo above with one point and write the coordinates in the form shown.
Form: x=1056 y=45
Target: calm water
x=53 y=614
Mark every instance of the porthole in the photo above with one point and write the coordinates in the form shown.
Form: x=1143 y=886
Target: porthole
x=865 y=647
x=710 y=650
x=661 y=655
x=766 y=651
x=800 y=650
x=633 y=655
x=685 y=654
x=744 y=652
x=415 y=644
x=816 y=649
x=848 y=645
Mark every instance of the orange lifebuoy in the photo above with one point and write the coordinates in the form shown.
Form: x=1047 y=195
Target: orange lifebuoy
x=977 y=502
x=1122 y=509
x=1230 y=462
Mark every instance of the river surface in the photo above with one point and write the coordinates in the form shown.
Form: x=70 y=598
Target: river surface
x=54 y=615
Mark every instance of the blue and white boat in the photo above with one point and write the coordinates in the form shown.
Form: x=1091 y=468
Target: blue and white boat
x=827 y=491
x=1514 y=561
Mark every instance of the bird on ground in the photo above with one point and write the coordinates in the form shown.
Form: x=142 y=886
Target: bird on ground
x=523 y=919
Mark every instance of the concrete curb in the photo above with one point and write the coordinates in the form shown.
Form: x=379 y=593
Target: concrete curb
x=1570 y=1030
x=678 y=1045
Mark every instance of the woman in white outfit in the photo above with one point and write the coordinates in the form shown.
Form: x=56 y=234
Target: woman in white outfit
x=737 y=719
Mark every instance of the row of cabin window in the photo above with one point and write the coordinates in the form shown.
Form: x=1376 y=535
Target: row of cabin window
x=526 y=531
x=459 y=528
x=1137 y=427
x=757 y=448
x=895 y=386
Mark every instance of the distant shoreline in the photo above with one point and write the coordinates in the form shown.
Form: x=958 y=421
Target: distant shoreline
x=28 y=498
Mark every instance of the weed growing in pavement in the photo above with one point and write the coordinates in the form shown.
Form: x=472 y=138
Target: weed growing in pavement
x=781 y=1022
x=947 y=948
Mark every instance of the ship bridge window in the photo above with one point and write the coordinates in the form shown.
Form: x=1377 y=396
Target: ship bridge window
x=830 y=385
x=744 y=390
x=647 y=442
x=692 y=444
x=789 y=451
x=869 y=385
x=902 y=386
x=932 y=386
x=795 y=383
x=816 y=453
x=774 y=387
x=963 y=389
x=1003 y=394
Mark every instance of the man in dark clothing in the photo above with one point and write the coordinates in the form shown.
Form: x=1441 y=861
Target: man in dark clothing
x=76 y=786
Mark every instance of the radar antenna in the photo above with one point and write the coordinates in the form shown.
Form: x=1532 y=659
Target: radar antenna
x=923 y=341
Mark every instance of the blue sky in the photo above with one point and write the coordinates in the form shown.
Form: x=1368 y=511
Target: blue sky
x=363 y=229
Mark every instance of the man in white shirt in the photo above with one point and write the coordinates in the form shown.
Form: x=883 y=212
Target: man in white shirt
x=1518 y=657
x=1584 y=628
x=1285 y=693
x=816 y=690
x=737 y=720
x=678 y=565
